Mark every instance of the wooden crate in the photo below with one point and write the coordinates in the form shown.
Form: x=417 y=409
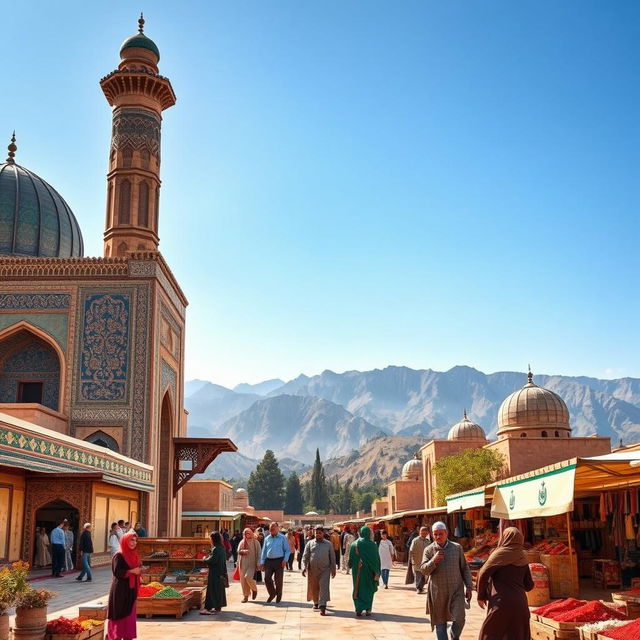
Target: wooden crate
x=631 y=602
x=563 y=575
x=96 y=611
x=542 y=631
x=197 y=597
x=561 y=626
x=162 y=607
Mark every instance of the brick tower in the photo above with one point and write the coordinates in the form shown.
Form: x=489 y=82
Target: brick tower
x=138 y=95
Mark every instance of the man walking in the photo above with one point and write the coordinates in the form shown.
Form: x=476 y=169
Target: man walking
x=85 y=547
x=347 y=539
x=335 y=541
x=275 y=552
x=416 y=551
x=57 y=550
x=449 y=583
x=318 y=563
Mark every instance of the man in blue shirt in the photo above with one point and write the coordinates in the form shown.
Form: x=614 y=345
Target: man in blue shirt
x=57 y=550
x=275 y=551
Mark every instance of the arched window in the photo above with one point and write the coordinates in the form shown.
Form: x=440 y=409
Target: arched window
x=122 y=249
x=544 y=434
x=143 y=204
x=127 y=155
x=523 y=435
x=557 y=434
x=124 y=203
x=104 y=440
x=144 y=158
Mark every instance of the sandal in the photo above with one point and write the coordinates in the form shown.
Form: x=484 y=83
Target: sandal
x=206 y=612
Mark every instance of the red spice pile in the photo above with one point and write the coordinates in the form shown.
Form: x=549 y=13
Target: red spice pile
x=629 y=631
x=559 y=605
x=147 y=592
x=593 y=611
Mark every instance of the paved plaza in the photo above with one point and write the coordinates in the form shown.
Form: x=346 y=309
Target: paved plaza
x=398 y=612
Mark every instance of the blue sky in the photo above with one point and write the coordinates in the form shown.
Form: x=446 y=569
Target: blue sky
x=348 y=185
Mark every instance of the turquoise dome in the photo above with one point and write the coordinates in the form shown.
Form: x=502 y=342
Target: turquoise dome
x=35 y=221
x=141 y=41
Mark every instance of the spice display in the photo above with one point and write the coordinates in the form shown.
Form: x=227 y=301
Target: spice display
x=592 y=611
x=558 y=606
x=90 y=623
x=552 y=548
x=168 y=592
x=147 y=591
x=597 y=627
x=182 y=553
x=630 y=631
x=156 y=569
x=156 y=585
x=158 y=554
x=64 y=626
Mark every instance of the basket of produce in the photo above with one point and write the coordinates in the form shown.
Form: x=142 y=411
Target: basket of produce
x=569 y=614
x=629 y=631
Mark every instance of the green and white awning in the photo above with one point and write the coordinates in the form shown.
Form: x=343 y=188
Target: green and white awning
x=539 y=495
x=466 y=500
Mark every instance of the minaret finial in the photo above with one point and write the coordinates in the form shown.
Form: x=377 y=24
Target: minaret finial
x=141 y=23
x=465 y=414
x=12 y=149
x=530 y=376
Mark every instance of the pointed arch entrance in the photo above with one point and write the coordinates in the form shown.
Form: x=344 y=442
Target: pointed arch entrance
x=31 y=367
x=165 y=462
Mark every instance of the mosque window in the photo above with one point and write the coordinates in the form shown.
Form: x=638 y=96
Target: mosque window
x=103 y=440
x=143 y=204
x=557 y=434
x=544 y=434
x=30 y=392
x=124 y=216
x=523 y=435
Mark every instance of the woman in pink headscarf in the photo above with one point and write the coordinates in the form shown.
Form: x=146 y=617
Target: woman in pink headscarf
x=248 y=559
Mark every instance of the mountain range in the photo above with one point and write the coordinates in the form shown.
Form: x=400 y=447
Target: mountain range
x=340 y=413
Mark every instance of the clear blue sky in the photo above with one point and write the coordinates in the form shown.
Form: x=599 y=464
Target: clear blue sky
x=348 y=185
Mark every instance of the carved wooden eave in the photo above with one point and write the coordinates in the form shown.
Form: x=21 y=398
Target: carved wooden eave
x=200 y=452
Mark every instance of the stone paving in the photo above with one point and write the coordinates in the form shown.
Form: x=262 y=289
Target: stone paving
x=398 y=612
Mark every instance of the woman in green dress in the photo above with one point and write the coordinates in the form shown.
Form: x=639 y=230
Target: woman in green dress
x=364 y=559
x=218 y=579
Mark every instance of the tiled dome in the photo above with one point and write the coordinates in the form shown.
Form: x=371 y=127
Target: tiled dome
x=140 y=41
x=533 y=407
x=412 y=470
x=467 y=430
x=35 y=221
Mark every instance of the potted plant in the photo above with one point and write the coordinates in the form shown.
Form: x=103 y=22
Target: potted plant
x=13 y=582
x=31 y=613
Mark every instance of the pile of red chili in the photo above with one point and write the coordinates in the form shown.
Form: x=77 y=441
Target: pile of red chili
x=629 y=631
x=64 y=626
x=593 y=611
x=558 y=606
x=146 y=591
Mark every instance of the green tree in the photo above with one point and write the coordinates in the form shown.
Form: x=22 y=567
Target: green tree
x=293 y=501
x=318 y=486
x=466 y=470
x=266 y=484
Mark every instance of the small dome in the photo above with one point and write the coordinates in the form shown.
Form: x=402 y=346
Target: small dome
x=412 y=470
x=241 y=490
x=533 y=407
x=467 y=430
x=140 y=41
x=311 y=513
x=35 y=221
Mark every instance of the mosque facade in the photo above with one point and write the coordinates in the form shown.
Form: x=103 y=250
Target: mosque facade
x=92 y=349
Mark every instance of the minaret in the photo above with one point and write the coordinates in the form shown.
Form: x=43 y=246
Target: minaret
x=138 y=95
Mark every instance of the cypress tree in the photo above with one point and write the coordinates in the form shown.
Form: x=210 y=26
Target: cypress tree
x=266 y=483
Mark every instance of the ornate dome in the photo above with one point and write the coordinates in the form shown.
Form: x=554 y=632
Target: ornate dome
x=466 y=430
x=412 y=470
x=140 y=41
x=241 y=490
x=533 y=411
x=35 y=221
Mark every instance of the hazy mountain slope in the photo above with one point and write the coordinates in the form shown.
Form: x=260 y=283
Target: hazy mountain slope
x=238 y=466
x=262 y=388
x=380 y=459
x=294 y=426
x=212 y=404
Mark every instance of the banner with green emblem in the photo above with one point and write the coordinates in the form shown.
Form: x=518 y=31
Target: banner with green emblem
x=545 y=494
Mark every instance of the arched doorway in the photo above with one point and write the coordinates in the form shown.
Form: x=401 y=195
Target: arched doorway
x=165 y=481
x=30 y=370
x=52 y=514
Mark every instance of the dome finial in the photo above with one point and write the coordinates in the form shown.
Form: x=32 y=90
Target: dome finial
x=530 y=376
x=141 y=23
x=12 y=149
x=465 y=414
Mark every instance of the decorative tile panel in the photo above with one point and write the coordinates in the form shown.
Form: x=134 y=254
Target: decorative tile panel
x=19 y=301
x=105 y=347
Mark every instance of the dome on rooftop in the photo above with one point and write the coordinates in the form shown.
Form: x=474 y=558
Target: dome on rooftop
x=35 y=221
x=533 y=411
x=140 y=41
x=241 y=490
x=467 y=430
x=311 y=513
x=412 y=470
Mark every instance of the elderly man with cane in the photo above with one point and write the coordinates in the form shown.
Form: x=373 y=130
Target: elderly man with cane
x=449 y=583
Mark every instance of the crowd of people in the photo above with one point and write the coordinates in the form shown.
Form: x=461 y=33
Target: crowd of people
x=502 y=582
